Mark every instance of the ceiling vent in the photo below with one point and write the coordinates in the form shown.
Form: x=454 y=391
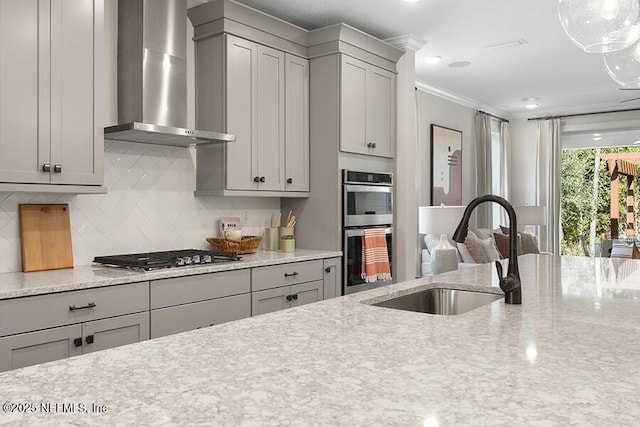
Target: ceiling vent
x=504 y=45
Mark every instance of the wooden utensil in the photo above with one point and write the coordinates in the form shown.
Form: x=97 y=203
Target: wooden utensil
x=45 y=237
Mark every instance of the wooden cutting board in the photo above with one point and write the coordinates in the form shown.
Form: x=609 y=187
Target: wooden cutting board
x=45 y=237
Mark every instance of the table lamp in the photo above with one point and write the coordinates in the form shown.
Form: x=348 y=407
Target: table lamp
x=531 y=215
x=441 y=220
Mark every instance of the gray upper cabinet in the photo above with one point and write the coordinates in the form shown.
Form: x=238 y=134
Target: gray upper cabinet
x=367 y=108
x=50 y=116
x=297 y=123
x=261 y=95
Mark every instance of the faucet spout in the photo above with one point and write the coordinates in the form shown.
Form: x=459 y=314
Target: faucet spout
x=510 y=284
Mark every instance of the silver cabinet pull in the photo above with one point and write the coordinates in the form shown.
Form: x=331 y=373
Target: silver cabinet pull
x=46 y=167
x=57 y=168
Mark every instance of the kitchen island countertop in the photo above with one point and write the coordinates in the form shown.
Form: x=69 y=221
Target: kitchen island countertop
x=567 y=356
x=14 y=285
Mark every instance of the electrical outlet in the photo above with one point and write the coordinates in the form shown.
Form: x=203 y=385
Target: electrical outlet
x=245 y=218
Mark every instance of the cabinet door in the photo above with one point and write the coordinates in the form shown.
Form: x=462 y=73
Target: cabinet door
x=381 y=111
x=297 y=124
x=306 y=293
x=353 y=106
x=263 y=302
x=24 y=95
x=114 y=332
x=76 y=121
x=332 y=281
x=181 y=318
x=270 y=119
x=32 y=348
x=242 y=114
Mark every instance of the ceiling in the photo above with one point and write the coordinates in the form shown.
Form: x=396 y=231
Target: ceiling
x=547 y=65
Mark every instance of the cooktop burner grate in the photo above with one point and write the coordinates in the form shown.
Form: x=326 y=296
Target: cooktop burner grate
x=166 y=259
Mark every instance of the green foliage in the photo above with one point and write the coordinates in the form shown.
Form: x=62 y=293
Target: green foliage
x=577 y=194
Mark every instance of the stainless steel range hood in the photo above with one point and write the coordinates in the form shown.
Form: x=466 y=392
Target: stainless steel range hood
x=152 y=76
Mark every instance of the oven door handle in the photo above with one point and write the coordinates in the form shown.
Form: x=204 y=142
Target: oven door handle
x=360 y=231
x=368 y=188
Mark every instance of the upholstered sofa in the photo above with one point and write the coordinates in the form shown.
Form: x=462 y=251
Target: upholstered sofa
x=482 y=245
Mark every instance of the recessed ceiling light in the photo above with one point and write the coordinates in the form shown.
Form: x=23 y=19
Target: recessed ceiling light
x=596 y=134
x=459 y=64
x=531 y=106
x=411 y=1
x=597 y=138
x=433 y=59
x=531 y=98
x=637 y=142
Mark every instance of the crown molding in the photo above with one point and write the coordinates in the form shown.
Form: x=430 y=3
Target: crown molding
x=459 y=99
x=406 y=42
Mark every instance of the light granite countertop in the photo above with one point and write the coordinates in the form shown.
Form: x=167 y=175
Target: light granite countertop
x=567 y=356
x=13 y=285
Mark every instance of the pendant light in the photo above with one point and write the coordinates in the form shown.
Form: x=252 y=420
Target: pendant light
x=599 y=26
x=624 y=66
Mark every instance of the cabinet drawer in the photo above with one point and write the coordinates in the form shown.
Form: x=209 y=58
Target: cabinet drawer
x=65 y=308
x=171 y=320
x=182 y=290
x=285 y=274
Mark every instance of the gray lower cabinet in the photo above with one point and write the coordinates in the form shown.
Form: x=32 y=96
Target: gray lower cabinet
x=332 y=277
x=276 y=299
x=186 y=317
x=31 y=348
x=18 y=351
x=277 y=287
x=185 y=303
x=114 y=332
x=48 y=327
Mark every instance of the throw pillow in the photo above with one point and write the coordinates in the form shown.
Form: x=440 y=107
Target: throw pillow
x=502 y=243
x=529 y=243
x=482 y=233
x=464 y=253
x=475 y=248
x=490 y=249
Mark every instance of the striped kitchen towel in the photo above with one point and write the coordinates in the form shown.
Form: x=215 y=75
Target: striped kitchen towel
x=375 y=258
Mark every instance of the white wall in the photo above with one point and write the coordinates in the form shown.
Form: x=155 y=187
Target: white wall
x=433 y=109
x=150 y=204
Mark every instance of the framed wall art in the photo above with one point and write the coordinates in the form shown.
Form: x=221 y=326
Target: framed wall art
x=446 y=166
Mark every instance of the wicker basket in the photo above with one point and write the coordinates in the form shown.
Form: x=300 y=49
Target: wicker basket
x=248 y=244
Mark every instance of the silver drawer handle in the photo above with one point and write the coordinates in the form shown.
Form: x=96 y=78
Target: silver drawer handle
x=74 y=308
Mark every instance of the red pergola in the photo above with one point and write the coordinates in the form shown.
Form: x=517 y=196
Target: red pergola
x=627 y=165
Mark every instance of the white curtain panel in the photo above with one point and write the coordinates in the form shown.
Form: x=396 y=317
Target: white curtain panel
x=505 y=169
x=549 y=161
x=483 y=167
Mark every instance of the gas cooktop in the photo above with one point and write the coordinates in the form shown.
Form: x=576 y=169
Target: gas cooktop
x=166 y=259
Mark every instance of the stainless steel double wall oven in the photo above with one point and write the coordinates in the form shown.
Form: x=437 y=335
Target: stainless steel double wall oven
x=367 y=203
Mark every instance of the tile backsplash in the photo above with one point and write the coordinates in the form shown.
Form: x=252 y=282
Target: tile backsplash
x=150 y=206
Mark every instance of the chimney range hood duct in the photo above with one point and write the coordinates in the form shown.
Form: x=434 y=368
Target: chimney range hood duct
x=152 y=76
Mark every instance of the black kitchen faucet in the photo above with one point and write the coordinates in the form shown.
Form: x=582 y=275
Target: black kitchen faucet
x=510 y=284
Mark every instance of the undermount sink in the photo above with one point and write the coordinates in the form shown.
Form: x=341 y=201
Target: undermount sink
x=441 y=301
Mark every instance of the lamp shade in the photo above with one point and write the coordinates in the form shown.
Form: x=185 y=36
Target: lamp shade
x=531 y=215
x=439 y=219
x=599 y=26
